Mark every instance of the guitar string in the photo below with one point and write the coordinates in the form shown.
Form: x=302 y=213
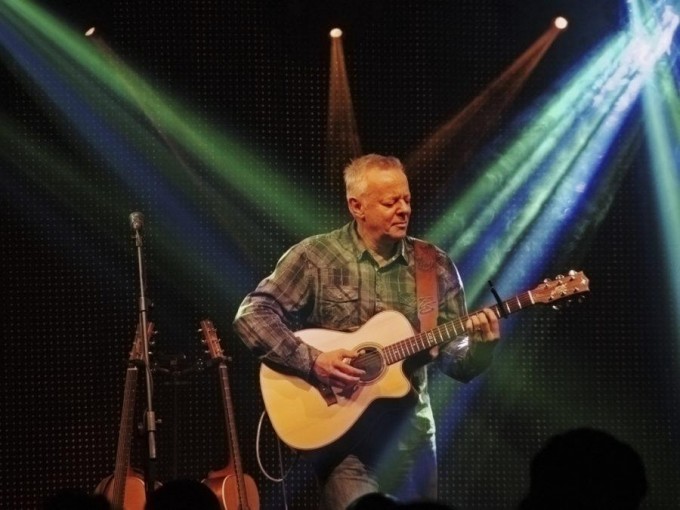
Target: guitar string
x=511 y=306
x=420 y=337
x=403 y=344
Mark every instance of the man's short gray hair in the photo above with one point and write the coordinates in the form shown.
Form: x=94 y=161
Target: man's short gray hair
x=355 y=172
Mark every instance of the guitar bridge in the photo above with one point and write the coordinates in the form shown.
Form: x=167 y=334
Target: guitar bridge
x=327 y=394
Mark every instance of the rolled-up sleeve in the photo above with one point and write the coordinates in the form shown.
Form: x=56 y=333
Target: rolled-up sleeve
x=458 y=359
x=264 y=318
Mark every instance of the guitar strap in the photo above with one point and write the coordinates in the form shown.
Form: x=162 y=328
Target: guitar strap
x=426 y=285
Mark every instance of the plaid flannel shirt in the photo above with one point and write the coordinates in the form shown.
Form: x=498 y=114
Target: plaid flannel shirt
x=332 y=281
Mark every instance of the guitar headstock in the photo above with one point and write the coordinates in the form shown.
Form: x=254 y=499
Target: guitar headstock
x=575 y=283
x=211 y=341
x=137 y=352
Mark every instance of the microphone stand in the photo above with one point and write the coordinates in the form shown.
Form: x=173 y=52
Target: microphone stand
x=137 y=221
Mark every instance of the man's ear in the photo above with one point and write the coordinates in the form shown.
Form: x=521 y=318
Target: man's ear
x=355 y=208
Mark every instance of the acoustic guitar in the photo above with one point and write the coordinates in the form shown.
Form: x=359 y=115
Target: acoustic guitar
x=125 y=488
x=235 y=489
x=313 y=417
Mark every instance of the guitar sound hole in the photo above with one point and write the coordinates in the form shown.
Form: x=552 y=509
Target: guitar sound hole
x=370 y=359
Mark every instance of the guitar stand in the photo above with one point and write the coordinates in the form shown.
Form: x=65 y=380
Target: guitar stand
x=172 y=366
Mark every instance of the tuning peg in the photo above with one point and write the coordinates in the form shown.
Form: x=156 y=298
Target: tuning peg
x=559 y=277
x=547 y=280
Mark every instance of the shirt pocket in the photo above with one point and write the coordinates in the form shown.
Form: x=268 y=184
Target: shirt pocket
x=408 y=306
x=339 y=307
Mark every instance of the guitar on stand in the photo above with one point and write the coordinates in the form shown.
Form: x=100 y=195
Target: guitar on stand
x=125 y=488
x=317 y=417
x=235 y=490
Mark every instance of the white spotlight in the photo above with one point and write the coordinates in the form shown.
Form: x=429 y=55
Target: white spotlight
x=336 y=32
x=561 y=22
x=90 y=31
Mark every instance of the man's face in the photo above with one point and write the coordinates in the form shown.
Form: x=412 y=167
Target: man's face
x=385 y=206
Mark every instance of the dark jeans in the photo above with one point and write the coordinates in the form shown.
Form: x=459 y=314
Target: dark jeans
x=405 y=468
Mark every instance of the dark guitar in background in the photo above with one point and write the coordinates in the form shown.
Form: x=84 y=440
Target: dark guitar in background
x=125 y=488
x=235 y=489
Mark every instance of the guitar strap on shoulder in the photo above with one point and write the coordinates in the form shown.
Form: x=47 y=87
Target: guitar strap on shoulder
x=427 y=293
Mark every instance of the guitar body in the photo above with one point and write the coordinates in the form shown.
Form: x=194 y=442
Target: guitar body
x=298 y=411
x=225 y=485
x=235 y=489
x=135 y=491
x=313 y=417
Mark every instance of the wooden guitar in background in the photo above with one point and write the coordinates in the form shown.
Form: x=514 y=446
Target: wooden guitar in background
x=125 y=488
x=235 y=490
x=308 y=417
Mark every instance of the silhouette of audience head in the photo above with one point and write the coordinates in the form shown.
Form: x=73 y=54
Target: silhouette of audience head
x=380 y=501
x=74 y=499
x=425 y=505
x=183 y=495
x=586 y=469
x=374 y=501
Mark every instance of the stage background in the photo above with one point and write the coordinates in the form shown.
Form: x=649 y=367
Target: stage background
x=257 y=71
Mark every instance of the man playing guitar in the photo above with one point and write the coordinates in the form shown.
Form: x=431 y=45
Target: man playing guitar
x=340 y=280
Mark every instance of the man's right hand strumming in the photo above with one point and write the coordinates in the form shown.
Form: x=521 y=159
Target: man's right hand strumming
x=333 y=368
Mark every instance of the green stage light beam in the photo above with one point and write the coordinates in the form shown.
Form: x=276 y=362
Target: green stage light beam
x=237 y=169
x=518 y=161
x=661 y=106
x=499 y=210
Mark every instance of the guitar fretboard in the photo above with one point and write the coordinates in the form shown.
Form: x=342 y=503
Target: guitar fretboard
x=230 y=421
x=215 y=350
x=124 y=438
x=450 y=331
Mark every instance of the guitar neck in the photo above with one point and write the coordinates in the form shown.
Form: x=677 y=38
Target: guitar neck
x=124 y=438
x=450 y=331
x=230 y=421
x=127 y=418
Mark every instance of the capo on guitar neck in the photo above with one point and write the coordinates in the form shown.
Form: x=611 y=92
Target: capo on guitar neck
x=501 y=310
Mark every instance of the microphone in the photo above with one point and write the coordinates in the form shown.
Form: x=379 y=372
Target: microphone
x=136 y=220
